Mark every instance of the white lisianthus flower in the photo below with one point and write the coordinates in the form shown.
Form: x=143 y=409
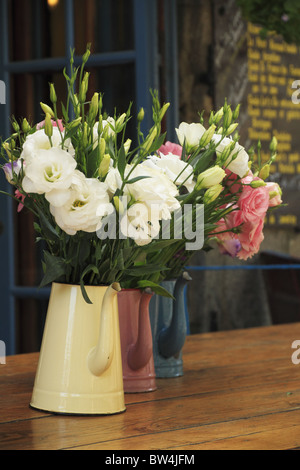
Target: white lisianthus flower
x=88 y=203
x=139 y=224
x=179 y=172
x=113 y=180
x=108 y=123
x=154 y=190
x=190 y=134
x=40 y=141
x=237 y=164
x=50 y=174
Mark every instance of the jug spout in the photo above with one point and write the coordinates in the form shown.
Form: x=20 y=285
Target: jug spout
x=100 y=357
x=140 y=353
x=172 y=338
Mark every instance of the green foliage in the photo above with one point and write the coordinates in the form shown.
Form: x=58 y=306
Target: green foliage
x=280 y=16
x=86 y=256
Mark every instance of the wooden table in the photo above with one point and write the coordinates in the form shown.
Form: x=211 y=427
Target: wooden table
x=240 y=390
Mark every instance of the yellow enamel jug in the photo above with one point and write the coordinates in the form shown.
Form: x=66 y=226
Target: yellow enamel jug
x=80 y=364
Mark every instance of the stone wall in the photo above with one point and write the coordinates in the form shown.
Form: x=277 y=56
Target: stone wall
x=223 y=299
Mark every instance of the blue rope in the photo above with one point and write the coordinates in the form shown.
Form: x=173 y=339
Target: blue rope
x=247 y=267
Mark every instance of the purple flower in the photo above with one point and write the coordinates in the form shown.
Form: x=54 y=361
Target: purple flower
x=285 y=18
x=230 y=247
x=10 y=171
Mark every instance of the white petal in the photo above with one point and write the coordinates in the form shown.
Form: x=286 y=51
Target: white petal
x=58 y=197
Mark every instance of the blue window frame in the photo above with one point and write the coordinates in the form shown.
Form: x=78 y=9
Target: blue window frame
x=144 y=56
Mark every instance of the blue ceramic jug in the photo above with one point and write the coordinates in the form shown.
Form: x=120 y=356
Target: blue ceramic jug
x=169 y=328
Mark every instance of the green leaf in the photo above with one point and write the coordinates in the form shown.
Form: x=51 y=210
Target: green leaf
x=157 y=143
x=98 y=251
x=159 y=245
x=84 y=252
x=93 y=163
x=47 y=228
x=138 y=271
x=203 y=161
x=36 y=227
x=122 y=161
x=183 y=153
x=157 y=289
x=105 y=266
x=70 y=132
x=137 y=178
x=111 y=276
x=120 y=261
x=64 y=112
x=90 y=268
x=54 y=268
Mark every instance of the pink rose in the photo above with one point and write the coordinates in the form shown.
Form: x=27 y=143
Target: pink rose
x=251 y=233
x=251 y=238
x=274 y=194
x=41 y=124
x=234 y=218
x=232 y=178
x=227 y=241
x=253 y=203
x=169 y=147
x=221 y=227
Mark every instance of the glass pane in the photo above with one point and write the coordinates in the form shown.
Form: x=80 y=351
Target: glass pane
x=106 y=24
x=117 y=83
x=28 y=90
x=37 y=30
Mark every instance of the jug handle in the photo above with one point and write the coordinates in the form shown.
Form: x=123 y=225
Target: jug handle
x=100 y=357
x=140 y=353
x=171 y=339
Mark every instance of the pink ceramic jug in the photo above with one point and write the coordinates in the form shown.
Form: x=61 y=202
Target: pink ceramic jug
x=136 y=341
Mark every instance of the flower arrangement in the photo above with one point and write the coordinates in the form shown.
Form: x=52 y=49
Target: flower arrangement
x=113 y=210
x=281 y=17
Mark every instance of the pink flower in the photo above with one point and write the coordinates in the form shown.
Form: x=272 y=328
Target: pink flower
x=169 y=147
x=253 y=203
x=41 y=124
x=274 y=194
x=250 y=235
x=22 y=197
x=228 y=242
x=251 y=238
x=232 y=178
x=221 y=227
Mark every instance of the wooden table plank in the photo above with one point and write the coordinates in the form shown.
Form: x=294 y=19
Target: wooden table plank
x=240 y=390
x=212 y=435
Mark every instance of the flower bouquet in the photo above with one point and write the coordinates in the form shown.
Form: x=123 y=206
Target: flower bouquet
x=223 y=184
x=123 y=212
x=224 y=200
x=110 y=211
